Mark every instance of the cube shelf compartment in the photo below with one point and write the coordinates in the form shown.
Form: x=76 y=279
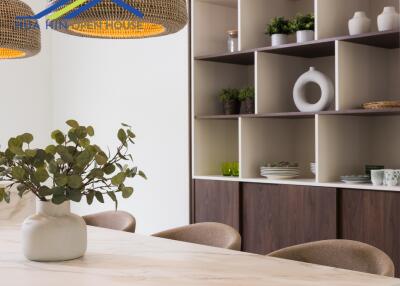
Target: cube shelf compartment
x=341 y=140
x=268 y=140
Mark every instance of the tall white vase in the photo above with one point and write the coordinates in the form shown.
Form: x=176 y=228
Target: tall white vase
x=389 y=19
x=53 y=233
x=359 y=24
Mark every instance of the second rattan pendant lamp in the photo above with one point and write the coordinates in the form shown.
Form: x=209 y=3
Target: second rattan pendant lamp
x=108 y=19
x=17 y=41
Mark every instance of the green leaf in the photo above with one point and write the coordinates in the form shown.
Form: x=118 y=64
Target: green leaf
x=7 y=197
x=58 y=136
x=122 y=135
x=130 y=133
x=84 y=142
x=51 y=149
x=53 y=168
x=96 y=173
x=75 y=195
x=41 y=175
x=30 y=153
x=61 y=180
x=126 y=125
x=118 y=179
x=75 y=181
x=109 y=169
x=142 y=174
x=73 y=123
x=90 y=131
x=27 y=138
x=15 y=147
x=18 y=173
x=45 y=191
x=81 y=132
x=90 y=197
x=64 y=154
x=99 y=197
x=127 y=192
x=84 y=158
x=101 y=159
x=112 y=196
x=2 y=192
x=58 y=199
x=22 y=189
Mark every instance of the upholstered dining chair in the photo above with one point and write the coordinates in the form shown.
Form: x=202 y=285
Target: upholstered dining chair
x=208 y=233
x=346 y=254
x=116 y=220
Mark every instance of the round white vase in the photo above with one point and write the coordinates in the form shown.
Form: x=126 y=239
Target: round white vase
x=327 y=91
x=304 y=36
x=279 y=39
x=389 y=19
x=359 y=24
x=54 y=233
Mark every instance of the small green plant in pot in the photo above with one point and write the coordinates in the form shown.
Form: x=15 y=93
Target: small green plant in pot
x=303 y=25
x=230 y=100
x=246 y=97
x=70 y=169
x=279 y=28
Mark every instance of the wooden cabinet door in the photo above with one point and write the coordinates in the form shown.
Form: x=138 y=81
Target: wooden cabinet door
x=277 y=216
x=372 y=217
x=217 y=201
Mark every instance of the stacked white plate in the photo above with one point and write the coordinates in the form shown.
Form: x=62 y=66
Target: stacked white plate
x=313 y=168
x=279 y=173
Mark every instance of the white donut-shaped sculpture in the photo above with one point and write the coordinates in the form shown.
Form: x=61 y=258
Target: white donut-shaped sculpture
x=327 y=91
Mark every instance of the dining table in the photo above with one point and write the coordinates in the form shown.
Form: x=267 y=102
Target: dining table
x=116 y=258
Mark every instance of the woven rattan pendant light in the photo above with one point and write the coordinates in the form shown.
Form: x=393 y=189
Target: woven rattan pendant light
x=109 y=20
x=17 y=41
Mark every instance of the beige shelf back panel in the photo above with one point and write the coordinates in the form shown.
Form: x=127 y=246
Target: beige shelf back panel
x=254 y=15
x=211 y=21
x=366 y=74
x=347 y=143
x=210 y=78
x=266 y=140
x=333 y=15
x=215 y=142
x=276 y=76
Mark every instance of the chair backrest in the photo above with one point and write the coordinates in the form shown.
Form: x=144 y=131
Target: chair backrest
x=117 y=220
x=209 y=233
x=346 y=254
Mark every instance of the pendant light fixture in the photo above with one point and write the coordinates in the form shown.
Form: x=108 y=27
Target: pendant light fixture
x=18 y=39
x=120 y=19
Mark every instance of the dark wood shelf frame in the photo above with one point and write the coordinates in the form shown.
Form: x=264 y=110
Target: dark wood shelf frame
x=312 y=49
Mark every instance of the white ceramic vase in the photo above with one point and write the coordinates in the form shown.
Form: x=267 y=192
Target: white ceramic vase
x=359 y=24
x=279 y=39
x=327 y=91
x=389 y=19
x=304 y=36
x=53 y=233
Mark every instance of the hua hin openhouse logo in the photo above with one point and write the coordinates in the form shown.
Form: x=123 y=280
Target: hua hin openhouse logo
x=60 y=17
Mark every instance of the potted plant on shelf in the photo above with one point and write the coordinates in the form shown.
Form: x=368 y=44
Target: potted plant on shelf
x=230 y=100
x=246 y=97
x=279 y=29
x=303 y=25
x=71 y=169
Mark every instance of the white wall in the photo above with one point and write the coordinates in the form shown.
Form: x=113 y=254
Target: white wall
x=25 y=93
x=143 y=83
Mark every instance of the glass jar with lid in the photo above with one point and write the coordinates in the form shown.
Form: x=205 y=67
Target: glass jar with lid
x=233 y=44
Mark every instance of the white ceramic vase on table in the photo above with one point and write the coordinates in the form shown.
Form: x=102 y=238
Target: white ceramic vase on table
x=359 y=24
x=389 y=19
x=304 y=36
x=54 y=233
x=279 y=39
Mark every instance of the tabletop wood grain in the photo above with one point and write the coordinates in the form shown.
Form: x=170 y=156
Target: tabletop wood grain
x=120 y=259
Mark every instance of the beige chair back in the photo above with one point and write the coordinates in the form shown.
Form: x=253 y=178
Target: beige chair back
x=209 y=233
x=117 y=220
x=346 y=254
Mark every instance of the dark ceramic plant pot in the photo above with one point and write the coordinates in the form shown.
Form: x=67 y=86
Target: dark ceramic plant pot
x=231 y=107
x=247 y=106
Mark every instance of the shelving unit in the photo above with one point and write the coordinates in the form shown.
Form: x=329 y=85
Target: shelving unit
x=341 y=140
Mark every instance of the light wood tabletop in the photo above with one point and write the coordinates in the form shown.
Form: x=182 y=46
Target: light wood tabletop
x=121 y=259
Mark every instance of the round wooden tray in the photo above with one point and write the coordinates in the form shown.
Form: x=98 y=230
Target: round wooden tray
x=382 y=104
